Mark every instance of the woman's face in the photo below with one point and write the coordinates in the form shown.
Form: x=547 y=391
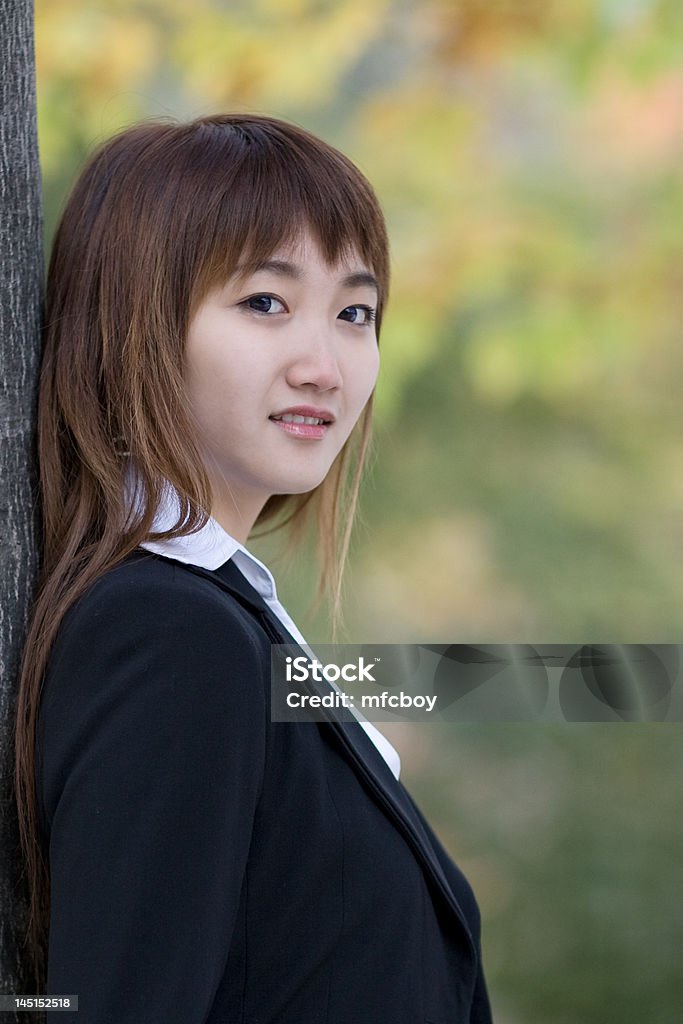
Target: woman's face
x=295 y=338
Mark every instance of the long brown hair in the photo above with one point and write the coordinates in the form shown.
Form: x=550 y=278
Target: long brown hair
x=160 y=214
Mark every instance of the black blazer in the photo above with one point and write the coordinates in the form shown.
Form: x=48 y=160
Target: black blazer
x=209 y=866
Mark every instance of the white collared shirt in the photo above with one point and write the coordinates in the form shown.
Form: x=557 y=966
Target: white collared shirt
x=210 y=548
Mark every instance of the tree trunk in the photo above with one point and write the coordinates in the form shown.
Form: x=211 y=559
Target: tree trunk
x=21 y=274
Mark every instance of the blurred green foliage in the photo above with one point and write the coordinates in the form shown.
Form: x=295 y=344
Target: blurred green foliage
x=529 y=479
x=571 y=838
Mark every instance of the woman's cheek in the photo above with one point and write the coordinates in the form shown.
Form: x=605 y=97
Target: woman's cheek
x=372 y=375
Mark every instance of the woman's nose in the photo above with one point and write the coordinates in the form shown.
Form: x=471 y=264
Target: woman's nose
x=316 y=363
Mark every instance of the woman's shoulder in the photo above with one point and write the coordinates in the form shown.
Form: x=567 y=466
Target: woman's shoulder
x=152 y=602
x=146 y=586
x=145 y=573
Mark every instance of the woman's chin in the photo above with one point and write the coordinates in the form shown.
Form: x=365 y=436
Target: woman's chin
x=292 y=483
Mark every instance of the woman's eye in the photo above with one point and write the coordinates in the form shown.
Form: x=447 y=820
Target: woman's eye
x=361 y=315
x=264 y=304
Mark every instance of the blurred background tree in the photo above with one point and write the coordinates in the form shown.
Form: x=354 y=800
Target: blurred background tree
x=529 y=479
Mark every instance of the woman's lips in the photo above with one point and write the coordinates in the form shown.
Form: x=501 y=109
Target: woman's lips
x=307 y=431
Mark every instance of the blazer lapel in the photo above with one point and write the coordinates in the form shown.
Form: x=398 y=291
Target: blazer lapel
x=352 y=739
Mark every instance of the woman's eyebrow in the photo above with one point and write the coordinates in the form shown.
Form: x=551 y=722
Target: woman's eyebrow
x=358 y=279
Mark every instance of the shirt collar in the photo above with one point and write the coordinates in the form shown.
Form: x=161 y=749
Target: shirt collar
x=210 y=547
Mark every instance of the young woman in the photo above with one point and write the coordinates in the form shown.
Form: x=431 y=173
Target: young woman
x=214 y=301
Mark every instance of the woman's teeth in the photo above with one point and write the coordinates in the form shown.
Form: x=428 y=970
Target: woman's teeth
x=292 y=418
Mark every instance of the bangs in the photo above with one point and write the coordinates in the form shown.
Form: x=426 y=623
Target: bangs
x=258 y=186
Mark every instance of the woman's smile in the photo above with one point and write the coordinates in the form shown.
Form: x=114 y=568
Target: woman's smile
x=304 y=422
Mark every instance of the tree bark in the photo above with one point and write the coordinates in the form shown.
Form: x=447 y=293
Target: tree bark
x=21 y=275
